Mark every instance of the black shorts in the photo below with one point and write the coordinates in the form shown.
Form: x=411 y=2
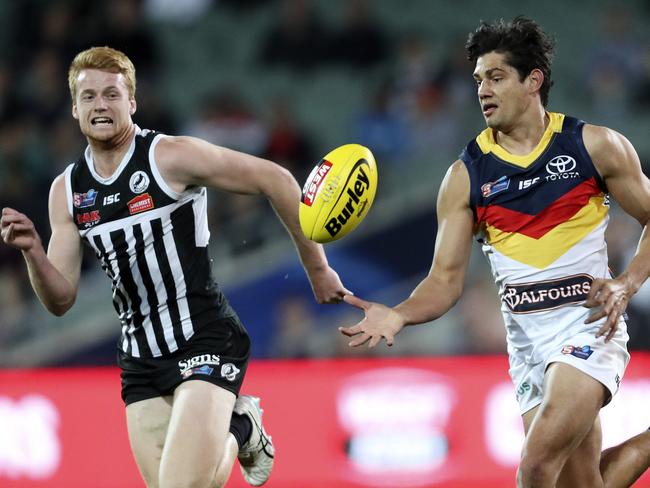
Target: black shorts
x=217 y=353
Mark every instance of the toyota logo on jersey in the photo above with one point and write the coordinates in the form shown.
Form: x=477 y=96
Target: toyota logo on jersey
x=561 y=168
x=560 y=164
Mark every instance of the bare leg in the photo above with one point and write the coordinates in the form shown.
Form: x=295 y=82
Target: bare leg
x=147 y=423
x=581 y=469
x=227 y=461
x=574 y=474
x=622 y=465
x=561 y=424
x=196 y=452
x=183 y=441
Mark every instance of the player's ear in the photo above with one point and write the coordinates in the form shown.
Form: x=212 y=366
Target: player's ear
x=535 y=80
x=133 y=106
x=75 y=114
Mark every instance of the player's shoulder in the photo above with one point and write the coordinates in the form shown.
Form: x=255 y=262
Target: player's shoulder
x=58 y=190
x=171 y=149
x=456 y=177
x=455 y=187
x=457 y=169
x=609 y=150
x=601 y=131
x=60 y=179
x=600 y=140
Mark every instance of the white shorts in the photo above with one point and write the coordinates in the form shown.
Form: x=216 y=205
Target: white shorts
x=605 y=362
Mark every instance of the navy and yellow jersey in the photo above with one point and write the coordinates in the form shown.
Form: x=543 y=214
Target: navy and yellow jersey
x=152 y=243
x=540 y=218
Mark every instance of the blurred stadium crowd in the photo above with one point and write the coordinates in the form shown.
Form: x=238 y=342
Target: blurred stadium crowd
x=288 y=80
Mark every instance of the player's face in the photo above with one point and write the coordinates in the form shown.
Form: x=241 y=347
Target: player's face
x=102 y=105
x=500 y=92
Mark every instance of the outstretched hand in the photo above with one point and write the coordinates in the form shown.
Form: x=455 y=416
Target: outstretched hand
x=609 y=298
x=380 y=322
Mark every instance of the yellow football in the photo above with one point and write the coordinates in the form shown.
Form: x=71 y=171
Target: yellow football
x=338 y=193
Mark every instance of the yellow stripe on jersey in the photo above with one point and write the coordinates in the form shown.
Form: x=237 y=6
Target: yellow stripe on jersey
x=486 y=142
x=541 y=252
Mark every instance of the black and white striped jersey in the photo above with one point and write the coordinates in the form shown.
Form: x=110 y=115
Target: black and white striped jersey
x=152 y=244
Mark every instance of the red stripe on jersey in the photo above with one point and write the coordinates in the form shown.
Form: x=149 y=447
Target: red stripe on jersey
x=536 y=226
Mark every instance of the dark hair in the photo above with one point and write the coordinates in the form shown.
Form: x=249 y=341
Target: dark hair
x=525 y=44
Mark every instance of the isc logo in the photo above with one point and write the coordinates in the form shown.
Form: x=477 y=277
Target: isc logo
x=111 y=199
x=528 y=183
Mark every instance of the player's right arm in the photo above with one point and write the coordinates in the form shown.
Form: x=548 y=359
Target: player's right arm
x=442 y=287
x=55 y=275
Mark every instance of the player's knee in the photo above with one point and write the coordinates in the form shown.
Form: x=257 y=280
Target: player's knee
x=532 y=474
x=538 y=466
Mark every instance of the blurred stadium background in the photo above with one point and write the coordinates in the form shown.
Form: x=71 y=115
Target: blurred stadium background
x=289 y=80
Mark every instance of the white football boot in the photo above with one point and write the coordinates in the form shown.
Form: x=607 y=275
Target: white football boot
x=255 y=456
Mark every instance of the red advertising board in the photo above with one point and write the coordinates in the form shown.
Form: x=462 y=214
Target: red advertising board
x=434 y=422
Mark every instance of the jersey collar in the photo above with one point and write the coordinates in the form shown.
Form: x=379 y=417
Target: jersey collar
x=88 y=156
x=486 y=142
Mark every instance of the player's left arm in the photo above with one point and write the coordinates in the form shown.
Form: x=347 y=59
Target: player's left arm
x=619 y=166
x=189 y=161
